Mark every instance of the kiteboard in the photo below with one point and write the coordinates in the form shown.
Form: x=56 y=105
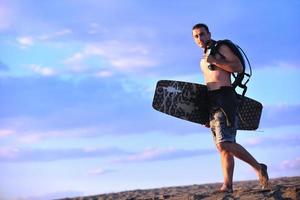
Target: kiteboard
x=189 y=101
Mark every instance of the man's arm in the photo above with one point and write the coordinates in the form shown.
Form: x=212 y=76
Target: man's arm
x=230 y=63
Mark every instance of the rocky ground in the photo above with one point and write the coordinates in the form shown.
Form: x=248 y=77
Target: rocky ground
x=281 y=188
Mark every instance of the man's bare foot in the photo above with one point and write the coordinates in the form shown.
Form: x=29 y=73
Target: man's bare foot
x=226 y=189
x=263 y=176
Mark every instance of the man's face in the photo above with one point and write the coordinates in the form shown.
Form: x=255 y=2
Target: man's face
x=201 y=37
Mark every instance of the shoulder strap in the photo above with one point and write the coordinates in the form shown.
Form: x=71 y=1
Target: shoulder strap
x=238 y=77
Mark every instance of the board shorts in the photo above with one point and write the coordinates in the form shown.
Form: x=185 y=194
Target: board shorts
x=219 y=129
x=222 y=114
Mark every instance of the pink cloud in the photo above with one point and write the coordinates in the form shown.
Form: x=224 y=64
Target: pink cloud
x=6 y=132
x=7 y=14
x=99 y=171
x=9 y=153
x=291 y=164
x=154 y=154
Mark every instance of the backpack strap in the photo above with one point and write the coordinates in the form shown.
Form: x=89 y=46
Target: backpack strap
x=238 y=77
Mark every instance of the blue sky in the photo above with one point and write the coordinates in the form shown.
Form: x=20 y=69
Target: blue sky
x=77 y=81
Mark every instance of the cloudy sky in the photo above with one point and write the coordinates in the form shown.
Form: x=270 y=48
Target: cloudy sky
x=77 y=81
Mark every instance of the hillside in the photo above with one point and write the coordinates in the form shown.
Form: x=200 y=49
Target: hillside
x=280 y=188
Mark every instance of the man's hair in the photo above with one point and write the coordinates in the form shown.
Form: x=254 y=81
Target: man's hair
x=201 y=25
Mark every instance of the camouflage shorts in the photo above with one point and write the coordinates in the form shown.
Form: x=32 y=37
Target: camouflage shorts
x=221 y=132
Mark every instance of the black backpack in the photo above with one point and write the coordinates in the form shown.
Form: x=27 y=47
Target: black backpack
x=238 y=51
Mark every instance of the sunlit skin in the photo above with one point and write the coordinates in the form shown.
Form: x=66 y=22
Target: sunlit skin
x=214 y=80
x=221 y=76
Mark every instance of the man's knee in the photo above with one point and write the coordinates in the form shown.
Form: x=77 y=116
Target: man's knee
x=224 y=146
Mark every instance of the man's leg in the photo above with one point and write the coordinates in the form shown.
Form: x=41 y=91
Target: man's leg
x=224 y=138
x=227 y=160
x=240 y=152
x=221 y=133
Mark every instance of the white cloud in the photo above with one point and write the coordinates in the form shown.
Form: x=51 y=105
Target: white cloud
x=95 y=28
x=120 y=56
x=124 y=56
x=31 y=138
x=26 y=130
x=281 y=64
x=25 y=41
x=94 y=25
x=54 y=195
x=56 y=34
x=269 y=142
x=13 y=154
x=77 y=57
x=150 y=154
x=77 y=63
x=123 y=63
x=104 y=74
x=253 y=141
x=45 y=71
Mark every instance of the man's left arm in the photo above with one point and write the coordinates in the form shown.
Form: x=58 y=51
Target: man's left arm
x=230 y=63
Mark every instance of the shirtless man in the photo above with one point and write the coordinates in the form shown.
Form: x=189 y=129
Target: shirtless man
x=223 y=107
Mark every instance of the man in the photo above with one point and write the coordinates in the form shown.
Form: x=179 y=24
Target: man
x=217 y=71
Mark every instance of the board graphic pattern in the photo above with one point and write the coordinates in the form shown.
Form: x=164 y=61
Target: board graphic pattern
x=189 y=101
x=249 y=114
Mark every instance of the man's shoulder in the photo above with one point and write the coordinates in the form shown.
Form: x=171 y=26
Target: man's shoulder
x=226 y=47
x=225 y=50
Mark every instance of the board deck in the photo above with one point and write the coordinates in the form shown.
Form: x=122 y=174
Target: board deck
x=189 y=101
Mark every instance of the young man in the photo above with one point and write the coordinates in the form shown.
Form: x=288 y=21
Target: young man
x=217 y=70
